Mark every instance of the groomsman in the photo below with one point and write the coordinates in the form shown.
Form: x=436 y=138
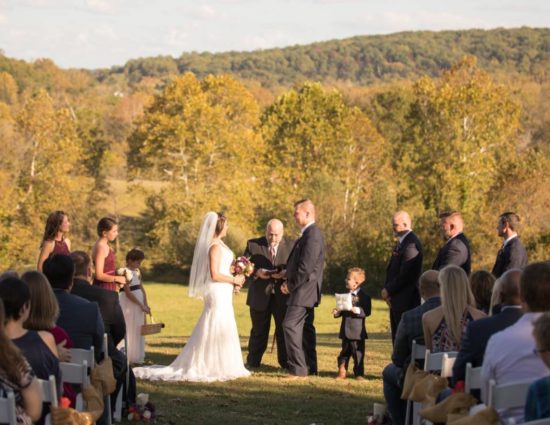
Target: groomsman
x=304 y=274
x=265 y=299
x=456 y=249
x=404 y=268
x=512 y=254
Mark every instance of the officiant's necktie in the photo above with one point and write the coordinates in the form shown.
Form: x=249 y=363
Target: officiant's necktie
x=272 y=254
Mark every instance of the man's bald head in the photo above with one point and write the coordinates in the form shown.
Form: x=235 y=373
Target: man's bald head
x=451 y=224
x=274 y=231
x=509 y=287
x=401 y=223
x=429 y=284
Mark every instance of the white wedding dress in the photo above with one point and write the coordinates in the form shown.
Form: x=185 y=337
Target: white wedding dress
x=213 y=352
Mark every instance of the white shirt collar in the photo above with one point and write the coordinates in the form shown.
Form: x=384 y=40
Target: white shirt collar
x=515 y=235
x=305 y=227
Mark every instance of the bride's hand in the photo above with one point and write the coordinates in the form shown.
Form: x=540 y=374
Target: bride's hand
x=239 y=280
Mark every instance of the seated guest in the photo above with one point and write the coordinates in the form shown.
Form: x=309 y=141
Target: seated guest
x=478 y=332
x=409 y=329
x=80 y=318
x=38 y=347
x=494 y=306
x=538 y=396
x=510 y=355
x=482 y=282
x=444 y=325
x=16 y=375
x=43 y=315
x=113 y=319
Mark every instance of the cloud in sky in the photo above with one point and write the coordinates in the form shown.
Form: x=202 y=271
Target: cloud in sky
x=100 y=33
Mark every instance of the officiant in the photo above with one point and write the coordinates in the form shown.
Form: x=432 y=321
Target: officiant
x=269 y=254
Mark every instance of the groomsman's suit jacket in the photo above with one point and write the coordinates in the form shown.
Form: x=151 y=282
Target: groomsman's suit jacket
x=403 y=272
x=82 y=320
x=259 y=291
x=512 y=256
x=305 y=268
x=353 y=325
x=474 y=341
x=455 y=251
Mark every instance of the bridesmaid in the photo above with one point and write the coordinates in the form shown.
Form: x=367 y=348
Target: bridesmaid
x=104 y=256
x=54 y=240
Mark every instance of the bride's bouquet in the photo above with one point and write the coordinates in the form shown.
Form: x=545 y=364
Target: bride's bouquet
x=241 y=266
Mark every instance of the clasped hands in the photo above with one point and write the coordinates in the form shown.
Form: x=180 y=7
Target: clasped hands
x=238 y=282
x=336 y=312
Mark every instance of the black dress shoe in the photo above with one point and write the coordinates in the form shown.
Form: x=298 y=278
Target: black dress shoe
x=251 y=367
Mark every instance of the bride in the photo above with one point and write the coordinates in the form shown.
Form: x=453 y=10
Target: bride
x=213 y=352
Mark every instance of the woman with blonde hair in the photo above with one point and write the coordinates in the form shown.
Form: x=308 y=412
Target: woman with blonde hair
x=443 y=326
x=16 y=375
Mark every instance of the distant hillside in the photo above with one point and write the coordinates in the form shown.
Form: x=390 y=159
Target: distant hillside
x=364 y=59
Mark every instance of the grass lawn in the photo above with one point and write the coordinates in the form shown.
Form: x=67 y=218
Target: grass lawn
x=264 y=398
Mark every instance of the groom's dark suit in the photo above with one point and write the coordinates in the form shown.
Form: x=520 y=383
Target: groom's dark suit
x=304 y=279
x=402 y=274
x=266 y=299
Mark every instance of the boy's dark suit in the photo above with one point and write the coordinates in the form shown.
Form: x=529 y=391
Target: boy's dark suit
x=265 y=299
x=511 y=256
x=455 y=251
x=353 y=333
x=402 y=274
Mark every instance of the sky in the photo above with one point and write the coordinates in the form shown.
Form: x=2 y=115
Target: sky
x=103 y=33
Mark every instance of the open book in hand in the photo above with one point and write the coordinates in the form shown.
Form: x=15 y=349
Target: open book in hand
x=344 y=302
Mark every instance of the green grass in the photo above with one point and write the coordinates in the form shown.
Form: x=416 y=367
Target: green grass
x=264 y=398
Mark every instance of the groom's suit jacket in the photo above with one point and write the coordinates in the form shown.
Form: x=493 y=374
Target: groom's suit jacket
x=305 y=268
x=403 y=272
x=259 y=292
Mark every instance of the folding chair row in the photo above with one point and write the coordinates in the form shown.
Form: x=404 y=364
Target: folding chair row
x=7 y=409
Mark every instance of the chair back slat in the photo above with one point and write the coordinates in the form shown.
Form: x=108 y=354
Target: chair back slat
x=507 y=396
x=79 y=355
x=473 y=378
x=7 y=409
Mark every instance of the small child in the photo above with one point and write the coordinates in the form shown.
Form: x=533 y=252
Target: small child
x=352 y=328
x=134 y=306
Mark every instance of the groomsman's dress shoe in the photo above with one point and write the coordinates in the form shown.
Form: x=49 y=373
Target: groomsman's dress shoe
x=251 y=367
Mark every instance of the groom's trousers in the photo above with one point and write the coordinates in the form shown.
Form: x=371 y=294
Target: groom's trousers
x=300 y=340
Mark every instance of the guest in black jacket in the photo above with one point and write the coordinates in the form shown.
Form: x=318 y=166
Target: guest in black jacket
x=512 y=254
x=478 y=332
x=113 y=320
x=80 y=318
x=352 y=328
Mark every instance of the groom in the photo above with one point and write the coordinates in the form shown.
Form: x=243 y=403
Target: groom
x=304 y=273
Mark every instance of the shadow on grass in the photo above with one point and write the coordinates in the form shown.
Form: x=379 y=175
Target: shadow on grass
x=261 y=400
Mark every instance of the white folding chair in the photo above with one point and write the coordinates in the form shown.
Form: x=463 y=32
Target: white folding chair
x=507 y=396
x=75 y=373
x=473 y=378
x=442 y=363
x=418 y=352
x=79 y=355
x=7 y=409
x=49 y=394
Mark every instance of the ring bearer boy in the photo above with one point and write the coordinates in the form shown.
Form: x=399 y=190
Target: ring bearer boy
x=352 y=328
